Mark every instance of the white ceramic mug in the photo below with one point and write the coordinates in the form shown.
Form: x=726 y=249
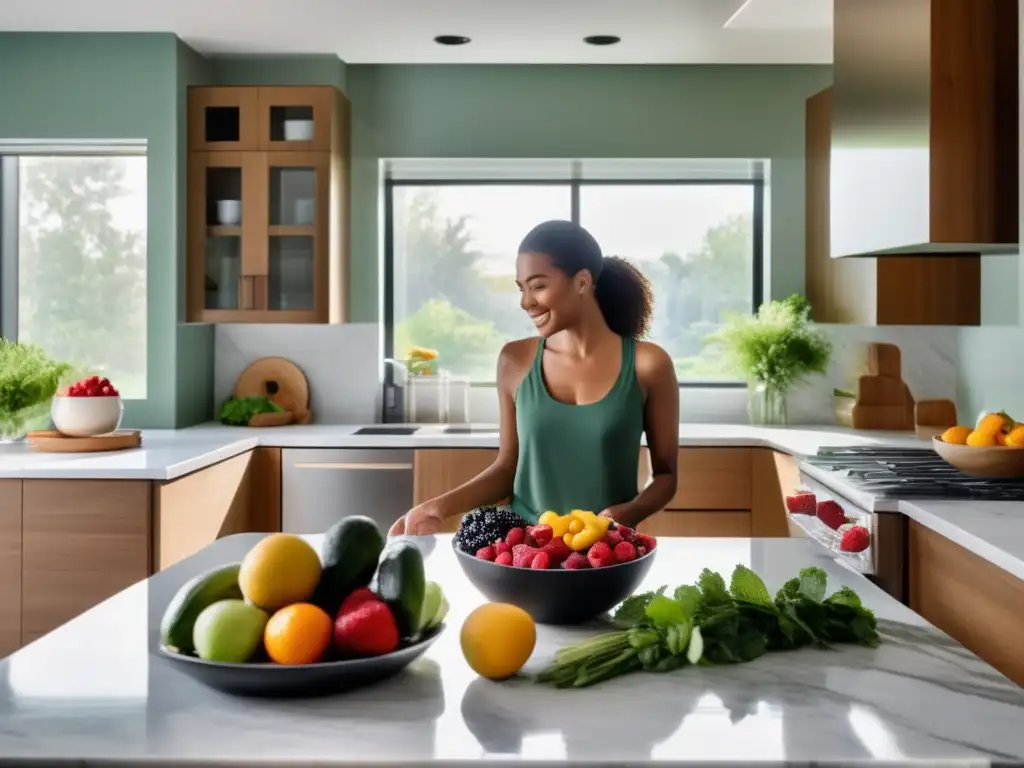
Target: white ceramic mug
x=229 y=212
x=298 y=130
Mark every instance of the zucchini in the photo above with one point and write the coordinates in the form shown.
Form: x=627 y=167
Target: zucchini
x=401 y=582
x=193 y=598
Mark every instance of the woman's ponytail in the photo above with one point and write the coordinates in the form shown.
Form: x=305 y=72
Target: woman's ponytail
x=625 y=298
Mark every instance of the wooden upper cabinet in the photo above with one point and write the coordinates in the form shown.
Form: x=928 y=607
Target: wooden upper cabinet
x=887 y=290
x=268 y=205
x=223 y=119
x=295 y=119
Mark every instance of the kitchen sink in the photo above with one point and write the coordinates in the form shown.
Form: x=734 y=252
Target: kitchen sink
x=470 y=430
x=395 y=429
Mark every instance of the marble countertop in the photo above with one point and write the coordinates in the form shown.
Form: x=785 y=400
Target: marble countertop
x=92 y=691
x=168 y=454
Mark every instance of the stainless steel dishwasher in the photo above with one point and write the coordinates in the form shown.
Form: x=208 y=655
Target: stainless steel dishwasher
x=319 y=486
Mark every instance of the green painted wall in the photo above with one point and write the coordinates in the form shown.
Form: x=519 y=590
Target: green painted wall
x=313 y=69
x=581 y=111
x=112 y=86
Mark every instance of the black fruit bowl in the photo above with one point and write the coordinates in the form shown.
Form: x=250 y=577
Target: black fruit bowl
x=302 y=680
x=557 y=596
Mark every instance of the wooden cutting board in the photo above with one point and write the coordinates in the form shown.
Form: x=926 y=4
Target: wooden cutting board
x=280 y=380
x=883 y=398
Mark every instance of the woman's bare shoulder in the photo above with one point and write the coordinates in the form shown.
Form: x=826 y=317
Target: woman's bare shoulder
x=653 y=363
x=515 y=359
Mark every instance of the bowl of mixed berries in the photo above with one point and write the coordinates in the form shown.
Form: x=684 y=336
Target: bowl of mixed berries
x=565 y=569
x=91 y=406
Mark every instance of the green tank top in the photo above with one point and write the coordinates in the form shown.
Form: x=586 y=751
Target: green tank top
x=577 y=456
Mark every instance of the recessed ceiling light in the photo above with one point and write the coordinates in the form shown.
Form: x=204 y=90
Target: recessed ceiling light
x=451 y=40
x=602 y=39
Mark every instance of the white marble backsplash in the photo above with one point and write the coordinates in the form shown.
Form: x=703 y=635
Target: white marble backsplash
x=341 y=364
x=930 y=357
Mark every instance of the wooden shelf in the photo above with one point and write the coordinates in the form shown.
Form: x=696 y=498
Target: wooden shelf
x=223 y=230
x=292 y=230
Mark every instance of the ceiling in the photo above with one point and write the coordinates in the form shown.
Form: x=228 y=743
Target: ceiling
x=502 y=31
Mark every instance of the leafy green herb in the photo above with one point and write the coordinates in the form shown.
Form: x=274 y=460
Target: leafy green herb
x=237 y=411
x=28 y=381
x=709 y=623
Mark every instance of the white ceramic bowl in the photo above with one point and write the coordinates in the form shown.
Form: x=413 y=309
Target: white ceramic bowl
x=298 y=130
x=86 y=416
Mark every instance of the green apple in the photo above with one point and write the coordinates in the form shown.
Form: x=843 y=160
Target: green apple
x=229 y=631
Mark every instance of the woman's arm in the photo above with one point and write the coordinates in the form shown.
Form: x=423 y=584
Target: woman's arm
x=494 y=483
x=657 y=376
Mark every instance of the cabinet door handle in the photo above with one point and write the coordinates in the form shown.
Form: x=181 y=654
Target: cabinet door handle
x=353 y=465
x=246 y=291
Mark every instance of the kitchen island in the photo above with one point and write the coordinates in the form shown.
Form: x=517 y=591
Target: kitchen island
x=93 y=692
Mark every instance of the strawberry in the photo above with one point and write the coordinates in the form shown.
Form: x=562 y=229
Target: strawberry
x=856 y=539
x=576 y=561
x=612 y=538
x=624 y=552
x=801 y=503
x=541 y=561
x=355 y=599
x=504 y=558
x=523 y=554
x=369 y=630
x=625 y=532
x=645 y=541
x=486 y=553
x=830 y=513
x=600 y=555
x=557 y=550
x=542 y=535
x=515 y=537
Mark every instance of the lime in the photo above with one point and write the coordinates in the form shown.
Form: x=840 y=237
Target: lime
x=229 y=631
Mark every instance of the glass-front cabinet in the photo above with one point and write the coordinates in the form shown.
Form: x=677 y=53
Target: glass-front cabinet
x=265 y=243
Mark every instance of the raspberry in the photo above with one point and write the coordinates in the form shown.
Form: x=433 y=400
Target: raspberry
x=505 y=558
x=500 y=546
x=801 y=503
x=541 y=561
x=557 y=550
x=515 y=537
x=645 y=541
x=523 y=554
x=600 y=555
x=355 y=599
x=831 y=514
x=486 y=553
x=625 y=532
x=576 y=561
x=624 y=552
x=542 y=534
x=641 y=551
x=856 y=539
x=613 y=538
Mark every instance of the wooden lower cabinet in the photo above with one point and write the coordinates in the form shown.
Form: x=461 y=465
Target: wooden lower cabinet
x=10 y=566
x=82 y=542
x=698 y=524
x=973 y=601
x=439 y=470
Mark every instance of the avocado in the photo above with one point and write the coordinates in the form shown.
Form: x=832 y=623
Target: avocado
x=193 y=598
x=349 y=554
x=401 y=582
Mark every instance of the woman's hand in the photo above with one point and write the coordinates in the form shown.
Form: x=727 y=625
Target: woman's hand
x=621 y=514
x=419 y=521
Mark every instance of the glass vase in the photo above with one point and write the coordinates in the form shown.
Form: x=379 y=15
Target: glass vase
x=15 y=426
x=766 y=404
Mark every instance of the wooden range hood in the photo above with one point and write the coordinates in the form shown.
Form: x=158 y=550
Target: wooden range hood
x=924 y=144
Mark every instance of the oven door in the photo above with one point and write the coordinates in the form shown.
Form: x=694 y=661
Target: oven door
x=883 y=562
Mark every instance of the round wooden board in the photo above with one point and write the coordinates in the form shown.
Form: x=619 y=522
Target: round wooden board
x=52 y=441
x=280 y=380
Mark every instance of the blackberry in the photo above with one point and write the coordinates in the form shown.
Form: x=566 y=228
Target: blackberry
x=484 y=526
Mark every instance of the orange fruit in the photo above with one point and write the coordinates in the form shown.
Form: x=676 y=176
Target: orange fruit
x=956 y=435
x=1016 y=437
x=979 y=439
x=497 y=640
x=298 y=634
x=993 y=422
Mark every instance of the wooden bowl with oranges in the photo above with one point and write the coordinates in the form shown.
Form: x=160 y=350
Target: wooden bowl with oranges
x=994 y=448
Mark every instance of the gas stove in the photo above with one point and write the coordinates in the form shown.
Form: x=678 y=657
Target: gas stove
x=910 y=473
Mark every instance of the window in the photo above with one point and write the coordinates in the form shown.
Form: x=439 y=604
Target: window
x=73 y=234
x=450 y=259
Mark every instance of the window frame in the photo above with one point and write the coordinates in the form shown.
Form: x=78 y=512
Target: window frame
x=574 y=187
x=11 y=152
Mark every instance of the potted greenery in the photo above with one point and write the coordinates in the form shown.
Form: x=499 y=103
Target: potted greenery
x=28 y=381
x=773 y=350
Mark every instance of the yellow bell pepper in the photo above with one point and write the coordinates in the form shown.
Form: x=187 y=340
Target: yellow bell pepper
x=585 y=529
x=559 y=523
